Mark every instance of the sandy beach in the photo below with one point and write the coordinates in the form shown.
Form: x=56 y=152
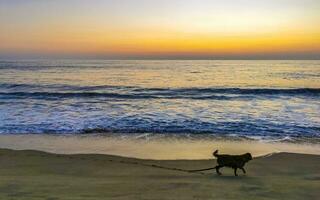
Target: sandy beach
x=156 y=147
x=38 y=175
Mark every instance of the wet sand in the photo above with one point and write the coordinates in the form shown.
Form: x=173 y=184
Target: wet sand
x=38 y=175
x=145 y=146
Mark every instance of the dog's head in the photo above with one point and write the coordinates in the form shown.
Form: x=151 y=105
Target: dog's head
x=248 y=156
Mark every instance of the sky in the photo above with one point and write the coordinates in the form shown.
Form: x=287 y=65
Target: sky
x=162 y=29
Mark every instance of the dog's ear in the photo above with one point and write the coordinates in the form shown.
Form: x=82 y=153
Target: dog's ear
x=215 y=153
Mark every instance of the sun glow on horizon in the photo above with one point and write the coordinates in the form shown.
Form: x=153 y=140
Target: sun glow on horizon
x=160 y=28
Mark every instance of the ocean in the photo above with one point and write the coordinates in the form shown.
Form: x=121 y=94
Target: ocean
x=258 y=100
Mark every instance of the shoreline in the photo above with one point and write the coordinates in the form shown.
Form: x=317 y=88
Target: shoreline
x=158 y=148
x=29 y=174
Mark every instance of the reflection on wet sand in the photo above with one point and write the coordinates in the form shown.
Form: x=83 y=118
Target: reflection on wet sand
x=149 y=148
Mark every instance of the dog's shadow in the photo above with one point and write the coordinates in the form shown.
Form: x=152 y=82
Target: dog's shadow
x=231 y=177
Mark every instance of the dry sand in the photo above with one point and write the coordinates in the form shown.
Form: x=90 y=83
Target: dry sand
x=39 y=175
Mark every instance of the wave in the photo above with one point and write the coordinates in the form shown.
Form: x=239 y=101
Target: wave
x=252 y=91
x=310 y=135
x=218 y=131
x=159 y=93
x=140 y=124
x=53 y=95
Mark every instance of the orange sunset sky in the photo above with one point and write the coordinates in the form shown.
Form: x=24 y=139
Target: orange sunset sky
x=182 y=29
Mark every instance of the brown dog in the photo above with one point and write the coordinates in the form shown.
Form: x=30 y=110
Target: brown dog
x=233 y=161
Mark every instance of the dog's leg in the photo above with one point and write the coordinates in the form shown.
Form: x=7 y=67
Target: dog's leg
x=217 y=169
x=244 y=171
x=235 y=171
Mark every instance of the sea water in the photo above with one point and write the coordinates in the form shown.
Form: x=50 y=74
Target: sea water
x=260 y=100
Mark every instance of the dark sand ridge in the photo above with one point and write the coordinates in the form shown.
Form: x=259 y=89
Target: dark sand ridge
x=39 y=175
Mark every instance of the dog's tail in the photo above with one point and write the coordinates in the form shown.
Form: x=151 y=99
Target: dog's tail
x=215 y=154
